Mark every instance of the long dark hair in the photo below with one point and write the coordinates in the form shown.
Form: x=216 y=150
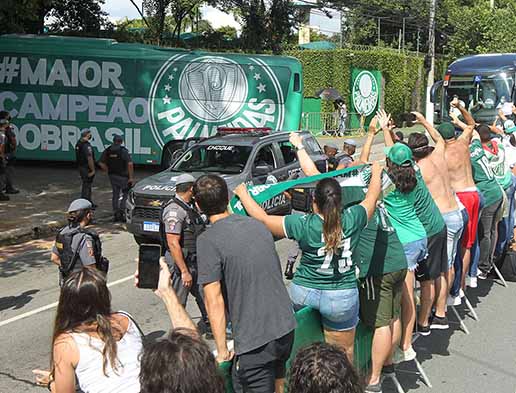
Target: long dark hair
x=403 y=176
x=85 y=306
x=328 y=198
x=322 y=367
x=181 y=362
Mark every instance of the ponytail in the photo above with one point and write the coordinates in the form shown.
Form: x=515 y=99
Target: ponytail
x=328 y=198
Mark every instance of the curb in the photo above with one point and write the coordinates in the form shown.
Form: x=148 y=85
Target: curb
x=21 y=235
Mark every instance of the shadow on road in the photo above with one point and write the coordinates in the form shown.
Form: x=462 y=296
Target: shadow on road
x=17 y=302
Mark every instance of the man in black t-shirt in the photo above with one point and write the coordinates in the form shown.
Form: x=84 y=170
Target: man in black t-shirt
x=240 y=269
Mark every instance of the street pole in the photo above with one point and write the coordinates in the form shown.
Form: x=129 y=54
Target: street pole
x=431 y=55
x=418 y=38
x=492 y=4
x=399 y=42
x=403 y=34
x=378 y=41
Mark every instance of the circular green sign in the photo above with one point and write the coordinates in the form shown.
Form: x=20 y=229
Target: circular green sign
x=365 y=93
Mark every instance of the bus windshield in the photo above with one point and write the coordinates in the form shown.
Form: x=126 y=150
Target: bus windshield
x=229 y=159
x=482 y=95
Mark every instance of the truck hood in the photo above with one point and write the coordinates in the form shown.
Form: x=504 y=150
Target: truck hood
x=164 y=183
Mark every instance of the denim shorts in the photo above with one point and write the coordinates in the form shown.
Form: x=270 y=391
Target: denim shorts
x=415 y=252
x=338 y=308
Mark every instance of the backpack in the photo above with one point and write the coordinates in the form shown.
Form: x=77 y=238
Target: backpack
x=10 y=143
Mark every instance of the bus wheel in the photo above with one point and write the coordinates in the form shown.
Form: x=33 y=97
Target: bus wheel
x=169 y=154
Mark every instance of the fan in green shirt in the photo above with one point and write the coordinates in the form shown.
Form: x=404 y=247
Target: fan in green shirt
x=483 y=175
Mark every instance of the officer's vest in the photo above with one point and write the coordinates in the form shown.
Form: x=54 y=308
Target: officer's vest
x=69 y=257
x=114 y=162
x=192 y=228
x=80 y=156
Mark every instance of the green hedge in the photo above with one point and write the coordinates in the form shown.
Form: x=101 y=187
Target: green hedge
x=404 y=74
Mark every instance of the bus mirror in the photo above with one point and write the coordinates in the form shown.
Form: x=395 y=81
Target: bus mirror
x=435 y=92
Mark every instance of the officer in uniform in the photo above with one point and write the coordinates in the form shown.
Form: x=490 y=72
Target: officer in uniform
x=180 y=225
x=10 y=152
x=77 y=247
x=86 y=163
x=117 y=161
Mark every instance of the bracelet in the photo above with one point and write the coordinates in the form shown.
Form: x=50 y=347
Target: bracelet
x=300 y=147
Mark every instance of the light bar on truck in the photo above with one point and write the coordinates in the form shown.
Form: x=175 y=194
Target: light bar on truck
x=243 y=130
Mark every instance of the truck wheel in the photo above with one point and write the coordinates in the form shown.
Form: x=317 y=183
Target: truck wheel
x=170 y=154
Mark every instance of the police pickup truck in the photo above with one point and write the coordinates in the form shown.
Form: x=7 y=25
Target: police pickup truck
x=238 y=155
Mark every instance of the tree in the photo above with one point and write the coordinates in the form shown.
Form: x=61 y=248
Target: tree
x=85 y=16
x=227 y=32
x=24 y=16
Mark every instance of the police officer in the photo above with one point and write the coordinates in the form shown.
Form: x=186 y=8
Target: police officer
x=77 y=247
x=180 y=225
x=10 y=152
x=117 y=161
x=3 y=142
x=86 y=164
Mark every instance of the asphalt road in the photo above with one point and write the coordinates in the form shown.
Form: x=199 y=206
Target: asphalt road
x=482 y=362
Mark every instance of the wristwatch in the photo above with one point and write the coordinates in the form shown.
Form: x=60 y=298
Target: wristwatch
x=299 y=147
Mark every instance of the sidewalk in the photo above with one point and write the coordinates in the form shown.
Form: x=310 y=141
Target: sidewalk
x=46 y=190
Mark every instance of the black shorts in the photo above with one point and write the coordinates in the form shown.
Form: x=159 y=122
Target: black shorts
x=436 y=261
x=256 y=371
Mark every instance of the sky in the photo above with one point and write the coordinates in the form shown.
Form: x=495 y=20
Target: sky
x=120 y=9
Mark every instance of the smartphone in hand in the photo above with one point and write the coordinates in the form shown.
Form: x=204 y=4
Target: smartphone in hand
x=148 y=266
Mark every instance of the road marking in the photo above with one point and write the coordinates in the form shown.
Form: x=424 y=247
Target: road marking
x=52 y=305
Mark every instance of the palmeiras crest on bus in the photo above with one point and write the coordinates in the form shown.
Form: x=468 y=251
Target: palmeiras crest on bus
x=193 y=96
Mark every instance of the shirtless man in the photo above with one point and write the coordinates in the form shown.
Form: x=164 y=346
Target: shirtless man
x=429 y=160
x=457 y=158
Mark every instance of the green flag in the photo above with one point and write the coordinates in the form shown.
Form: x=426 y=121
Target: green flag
x=365 y=96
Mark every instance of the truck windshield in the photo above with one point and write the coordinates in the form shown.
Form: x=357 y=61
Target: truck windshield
x=482 y=95
x=214 y=158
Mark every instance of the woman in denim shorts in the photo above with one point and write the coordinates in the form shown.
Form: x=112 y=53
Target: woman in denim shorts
x=326 y=277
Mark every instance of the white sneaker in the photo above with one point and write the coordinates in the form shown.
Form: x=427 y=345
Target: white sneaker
x=403 y=356
x=454 y=300
x=471 y=282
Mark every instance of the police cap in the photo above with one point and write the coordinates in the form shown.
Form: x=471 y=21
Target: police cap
x=79 y=204
x=185 y=178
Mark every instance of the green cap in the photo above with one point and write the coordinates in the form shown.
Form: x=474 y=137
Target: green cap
x=399 y=154
x=447 y=130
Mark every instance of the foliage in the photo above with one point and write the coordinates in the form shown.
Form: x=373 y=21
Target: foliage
x=23 y=16
x=479 y=29
x=403 y=74
x=84 y=16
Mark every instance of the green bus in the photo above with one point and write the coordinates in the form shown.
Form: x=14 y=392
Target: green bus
x=157 y=98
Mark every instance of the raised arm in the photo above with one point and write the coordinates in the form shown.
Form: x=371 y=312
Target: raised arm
x=465 y=114
x=366 y=149
x=384 y=119
x=273 y=223
x=434 y=134
x=306 y=163
x=373 y=193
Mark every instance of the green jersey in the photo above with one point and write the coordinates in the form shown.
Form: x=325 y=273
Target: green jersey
x=379 y=250
x=402 y=212
x=426 y=209
x=495 y=153
x=483 y=175
x=319 y=268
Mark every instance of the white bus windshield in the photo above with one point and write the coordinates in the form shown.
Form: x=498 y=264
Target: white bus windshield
x=482 y=95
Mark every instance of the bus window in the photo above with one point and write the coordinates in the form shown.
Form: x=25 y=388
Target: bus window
x=297 y=83
x=482 y=95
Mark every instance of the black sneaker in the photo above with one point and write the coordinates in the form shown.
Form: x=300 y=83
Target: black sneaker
x=376 y=388
x=388 y=371
x=12 y=191
x=483 y=275
x=4 y=198
x=423 y=330
x=439 y=323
